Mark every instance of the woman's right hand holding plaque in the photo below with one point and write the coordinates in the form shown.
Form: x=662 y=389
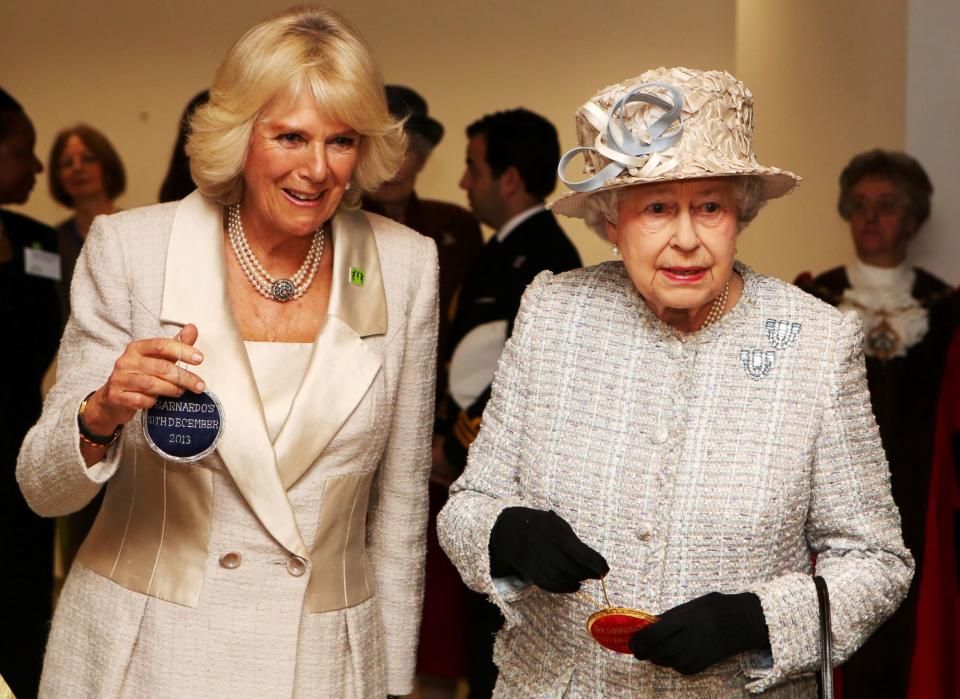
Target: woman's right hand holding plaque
x=147 y=370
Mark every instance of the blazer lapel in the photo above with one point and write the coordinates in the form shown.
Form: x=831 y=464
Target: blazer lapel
x=342 y=366
x=195 y=291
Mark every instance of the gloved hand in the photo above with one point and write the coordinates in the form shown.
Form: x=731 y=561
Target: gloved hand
x=696 y=634
x=541 y=547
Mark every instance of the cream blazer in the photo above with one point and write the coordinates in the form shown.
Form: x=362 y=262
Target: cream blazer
x=264 y=570
x=721 y=460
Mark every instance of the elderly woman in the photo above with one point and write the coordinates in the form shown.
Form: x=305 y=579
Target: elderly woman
x=85 y=175
x=680 y=425
x=286 y=558
x=908 y=318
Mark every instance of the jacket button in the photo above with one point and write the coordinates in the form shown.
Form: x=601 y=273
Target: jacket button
x=296 y=566
x=230 y=560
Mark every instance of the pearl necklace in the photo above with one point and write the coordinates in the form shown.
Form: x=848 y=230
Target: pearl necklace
x=716 y=309
x=269 y=287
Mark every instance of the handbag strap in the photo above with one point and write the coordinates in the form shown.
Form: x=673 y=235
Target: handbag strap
x=825 y=680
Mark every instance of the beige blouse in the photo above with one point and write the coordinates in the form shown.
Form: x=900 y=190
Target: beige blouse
x=278 y=369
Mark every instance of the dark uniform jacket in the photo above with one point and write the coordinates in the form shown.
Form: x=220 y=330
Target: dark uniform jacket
x=903 y=394
x=69 y=244
x=459 y=241
x=30 y=318
x=492 y=292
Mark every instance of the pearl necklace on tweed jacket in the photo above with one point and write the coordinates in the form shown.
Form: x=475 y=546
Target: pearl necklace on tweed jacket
x=269 y=287
x=893 y=320
x=717 y=307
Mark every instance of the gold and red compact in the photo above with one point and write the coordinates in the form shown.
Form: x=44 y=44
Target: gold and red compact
x=612 y=627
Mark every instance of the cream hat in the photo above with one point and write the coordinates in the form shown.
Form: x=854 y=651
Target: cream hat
x=667 y=124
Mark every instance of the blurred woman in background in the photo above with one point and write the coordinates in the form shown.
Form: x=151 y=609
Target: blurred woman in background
x=908 y=317
x=86 y=175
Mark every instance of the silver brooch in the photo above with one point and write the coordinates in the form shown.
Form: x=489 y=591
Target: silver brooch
x=757 y=362
x=782 y=333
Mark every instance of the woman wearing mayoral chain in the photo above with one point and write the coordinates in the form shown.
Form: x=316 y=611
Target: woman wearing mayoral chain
x=909 y=317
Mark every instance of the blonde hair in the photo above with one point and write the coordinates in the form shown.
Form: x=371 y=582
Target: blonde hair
x=308 y=47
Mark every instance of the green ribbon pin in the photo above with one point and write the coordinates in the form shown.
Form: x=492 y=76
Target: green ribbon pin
x=357 y=276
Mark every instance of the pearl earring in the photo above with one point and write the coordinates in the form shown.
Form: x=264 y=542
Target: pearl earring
x=347 y=188
x=615 y=250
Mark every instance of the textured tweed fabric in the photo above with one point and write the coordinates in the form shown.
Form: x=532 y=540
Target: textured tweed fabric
x=719 y=460
x=250 y=634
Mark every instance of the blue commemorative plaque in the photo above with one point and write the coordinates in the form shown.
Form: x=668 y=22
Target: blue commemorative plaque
x=184 y=429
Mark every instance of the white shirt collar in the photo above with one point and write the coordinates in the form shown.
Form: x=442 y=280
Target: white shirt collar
x=508 y=228
x=864 y=276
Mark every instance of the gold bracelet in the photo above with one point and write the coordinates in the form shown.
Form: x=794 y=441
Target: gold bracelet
x=88 y=437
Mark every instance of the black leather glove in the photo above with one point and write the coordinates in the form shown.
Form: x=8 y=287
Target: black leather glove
x=541 y=547
x=696 y=634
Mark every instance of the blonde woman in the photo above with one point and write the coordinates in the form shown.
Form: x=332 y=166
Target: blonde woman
x=285 y=557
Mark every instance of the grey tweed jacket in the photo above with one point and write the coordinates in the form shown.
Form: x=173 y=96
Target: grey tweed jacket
x=720 y=460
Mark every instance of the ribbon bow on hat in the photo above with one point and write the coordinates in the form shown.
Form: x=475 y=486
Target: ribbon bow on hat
x=667 y=124
x=617 y=143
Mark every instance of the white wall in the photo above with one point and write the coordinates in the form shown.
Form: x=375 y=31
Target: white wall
x=829 y=77
x=933 y=128
x=128 y=68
